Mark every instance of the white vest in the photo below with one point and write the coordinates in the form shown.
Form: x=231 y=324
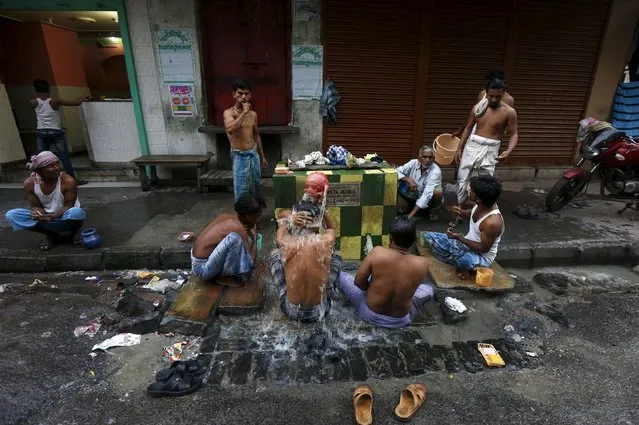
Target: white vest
x=48 y=118
x=474 y=234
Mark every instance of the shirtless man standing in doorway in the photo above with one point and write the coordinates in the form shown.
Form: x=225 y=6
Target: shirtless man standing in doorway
x=240 y=123
x=481 y=153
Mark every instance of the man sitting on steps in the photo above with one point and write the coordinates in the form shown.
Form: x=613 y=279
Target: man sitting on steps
x=226 y=250
x=388 y=290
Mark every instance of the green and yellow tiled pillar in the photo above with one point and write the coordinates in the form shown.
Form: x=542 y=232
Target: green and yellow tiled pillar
x=372 y=212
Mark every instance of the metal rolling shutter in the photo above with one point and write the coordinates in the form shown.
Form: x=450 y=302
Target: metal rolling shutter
x=556 y=55
x=467 y=40
x=371 y=53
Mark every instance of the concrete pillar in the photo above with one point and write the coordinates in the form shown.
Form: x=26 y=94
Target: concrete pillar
x=613 y=56
x=305 y=112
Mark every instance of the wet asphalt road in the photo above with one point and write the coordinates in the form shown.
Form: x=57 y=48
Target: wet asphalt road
x=588 y=372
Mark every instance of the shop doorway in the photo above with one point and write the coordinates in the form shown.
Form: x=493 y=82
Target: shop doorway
x=80 y=53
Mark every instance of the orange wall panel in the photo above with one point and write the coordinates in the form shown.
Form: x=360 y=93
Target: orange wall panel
x=23 y=54
x=66 y=56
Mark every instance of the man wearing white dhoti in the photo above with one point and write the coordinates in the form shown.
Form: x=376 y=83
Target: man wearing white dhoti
x=478 y=151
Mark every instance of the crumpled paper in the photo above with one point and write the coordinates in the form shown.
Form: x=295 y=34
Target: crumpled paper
x=162 y=285
x=89 y=330
x=175 y=351
x=120 y=340
x=455 y=305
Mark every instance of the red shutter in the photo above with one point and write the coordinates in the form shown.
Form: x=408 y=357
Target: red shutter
x=557 y=50
x=371 y=52
x=467 y=41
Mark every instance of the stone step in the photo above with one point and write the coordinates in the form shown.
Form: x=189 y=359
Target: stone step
x=240 y=362
x=192 y=311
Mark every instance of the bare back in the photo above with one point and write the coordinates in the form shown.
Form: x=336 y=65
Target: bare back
x=243 y=138
x=215 y=232
x=494 y=122
x=395 y=278
x=307 y=261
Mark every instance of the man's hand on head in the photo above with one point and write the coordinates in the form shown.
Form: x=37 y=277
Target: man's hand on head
x=301 y=219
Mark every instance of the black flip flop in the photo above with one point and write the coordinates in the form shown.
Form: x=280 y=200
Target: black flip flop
x=177 y=386
x=188 y=367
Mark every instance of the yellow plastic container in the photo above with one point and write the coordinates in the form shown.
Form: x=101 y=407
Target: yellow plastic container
x=490 y=355
x=484 y=276
x=445 y=147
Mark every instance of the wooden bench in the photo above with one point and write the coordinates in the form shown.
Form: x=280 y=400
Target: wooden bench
x=200 y=162
x=217 y=178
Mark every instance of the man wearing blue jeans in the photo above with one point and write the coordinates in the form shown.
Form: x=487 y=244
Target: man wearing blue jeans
x=49 y=129
x=226 y=250
x=388 y=290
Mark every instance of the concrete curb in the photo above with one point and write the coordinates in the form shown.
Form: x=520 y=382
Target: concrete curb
x=120 y=258
x=577 y=252
x=527 y=255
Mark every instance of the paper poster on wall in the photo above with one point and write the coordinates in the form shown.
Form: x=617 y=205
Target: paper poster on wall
x=307 y=10
x=182 y=102
x=175 y=49
x=307 y=72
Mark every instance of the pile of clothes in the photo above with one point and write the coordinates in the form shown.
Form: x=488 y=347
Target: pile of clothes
x=313 y=158
x=336 y=155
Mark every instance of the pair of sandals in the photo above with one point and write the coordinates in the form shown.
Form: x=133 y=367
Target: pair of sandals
x=181 y=378
x=411 y=399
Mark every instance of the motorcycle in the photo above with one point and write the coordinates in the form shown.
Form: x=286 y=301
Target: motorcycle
x=615 y=159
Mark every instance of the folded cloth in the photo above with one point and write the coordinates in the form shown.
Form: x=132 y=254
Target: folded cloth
x=337 y=155
x=312 y=157
x=328 y=101
x=322 y=161
x=480 y=107
x=373 y=157
x=454 y=304
x=351 y=161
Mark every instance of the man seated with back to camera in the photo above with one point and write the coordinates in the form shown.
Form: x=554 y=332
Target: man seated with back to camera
x=304 y=266
x=388 y=289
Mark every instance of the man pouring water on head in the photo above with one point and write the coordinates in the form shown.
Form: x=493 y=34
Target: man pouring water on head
x=478 y=152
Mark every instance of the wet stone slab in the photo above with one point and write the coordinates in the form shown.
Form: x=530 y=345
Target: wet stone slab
x=357 y=363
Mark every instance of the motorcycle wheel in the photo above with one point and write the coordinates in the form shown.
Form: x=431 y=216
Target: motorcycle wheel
x=564 y=191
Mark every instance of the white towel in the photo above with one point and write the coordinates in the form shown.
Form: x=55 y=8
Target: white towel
x=454 y=304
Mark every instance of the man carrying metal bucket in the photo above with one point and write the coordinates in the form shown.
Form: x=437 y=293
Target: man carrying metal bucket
x=420 y=185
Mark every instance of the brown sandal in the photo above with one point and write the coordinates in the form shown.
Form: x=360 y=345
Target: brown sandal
x=363 y=404
x=410 y=400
